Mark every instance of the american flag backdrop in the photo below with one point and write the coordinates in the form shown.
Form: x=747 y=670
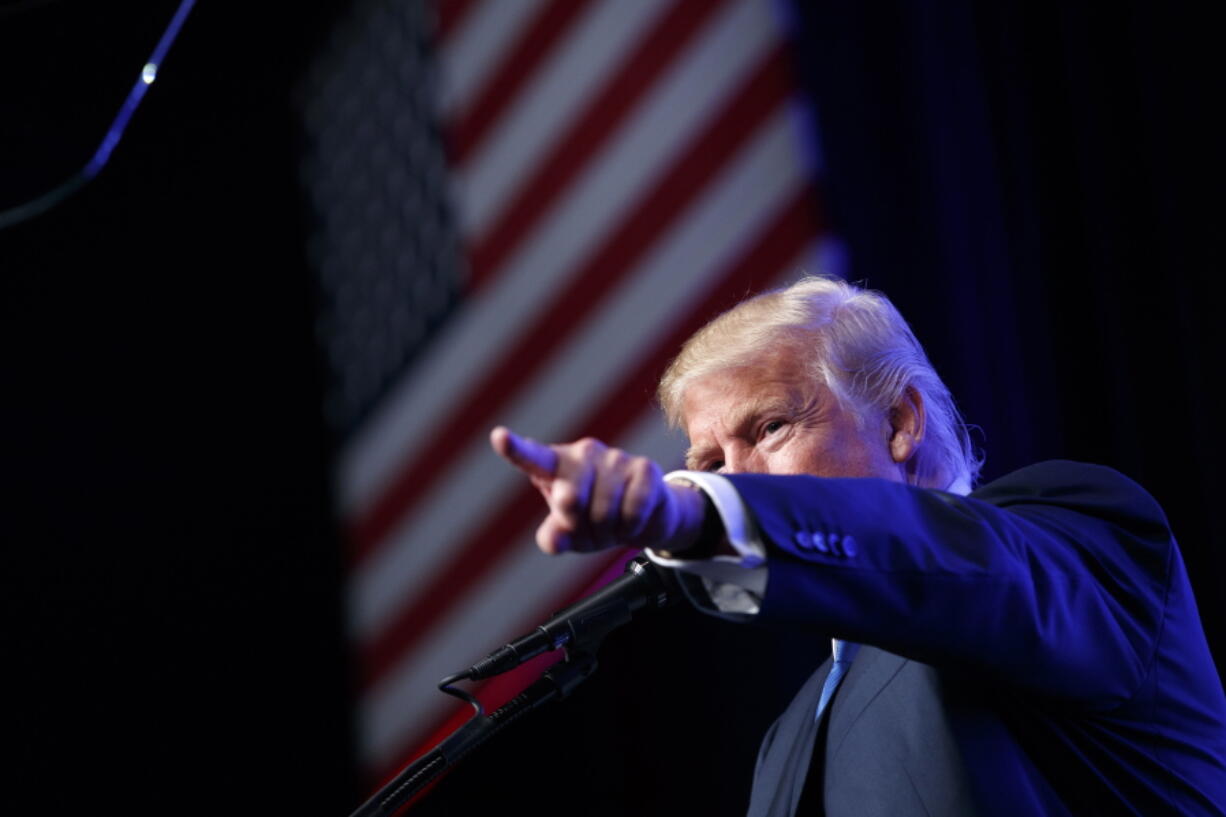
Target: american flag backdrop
x=524 y=207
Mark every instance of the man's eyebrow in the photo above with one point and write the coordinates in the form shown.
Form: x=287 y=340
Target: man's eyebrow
x=694 y=456
x=742 y=419
x=761 y=407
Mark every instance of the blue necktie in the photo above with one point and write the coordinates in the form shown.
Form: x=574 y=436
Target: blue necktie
x=844 y=652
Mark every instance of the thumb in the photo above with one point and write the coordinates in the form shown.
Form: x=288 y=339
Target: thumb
x=533 y=458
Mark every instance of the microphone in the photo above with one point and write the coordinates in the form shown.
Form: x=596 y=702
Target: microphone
x=590 y=619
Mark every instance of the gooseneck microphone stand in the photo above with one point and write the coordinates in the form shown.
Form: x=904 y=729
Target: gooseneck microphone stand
x=579 y=630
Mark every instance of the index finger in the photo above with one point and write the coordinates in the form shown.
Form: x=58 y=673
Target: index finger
x=533 y=458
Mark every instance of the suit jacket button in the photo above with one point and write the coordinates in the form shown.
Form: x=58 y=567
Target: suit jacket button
x=835 y=546
x=802 y=540
x=849 y=546
x=819 y=543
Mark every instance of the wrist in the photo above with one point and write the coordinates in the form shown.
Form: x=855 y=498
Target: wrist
x=701 y=534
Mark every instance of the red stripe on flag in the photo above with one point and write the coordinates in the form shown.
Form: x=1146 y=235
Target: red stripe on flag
x=758 y=97
x=573 y=147
x=450 y=14
x=537 y=40
x=786 y=235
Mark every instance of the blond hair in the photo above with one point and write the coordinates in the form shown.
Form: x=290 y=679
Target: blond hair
x=858 y=345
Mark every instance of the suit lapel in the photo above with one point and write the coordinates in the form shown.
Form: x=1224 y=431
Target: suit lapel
x=783 y=759
x=871 y=670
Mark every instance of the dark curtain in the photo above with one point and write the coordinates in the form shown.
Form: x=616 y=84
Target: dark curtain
x=1038 y=186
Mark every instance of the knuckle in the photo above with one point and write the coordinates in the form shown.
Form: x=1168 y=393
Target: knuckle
x=643 y=468
x=589 y=447
x=640 y=499
x=615 y=459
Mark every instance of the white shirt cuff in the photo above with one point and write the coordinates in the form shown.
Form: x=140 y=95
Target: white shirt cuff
x=734 y=585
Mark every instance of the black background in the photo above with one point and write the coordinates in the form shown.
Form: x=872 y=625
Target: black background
x=1037 y=187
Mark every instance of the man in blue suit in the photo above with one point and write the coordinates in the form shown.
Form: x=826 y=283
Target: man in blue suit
x=1031 y=647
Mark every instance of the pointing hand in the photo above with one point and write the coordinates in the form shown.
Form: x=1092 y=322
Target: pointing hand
x=601 y=497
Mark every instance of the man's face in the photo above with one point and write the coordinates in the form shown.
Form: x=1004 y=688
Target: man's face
x=771 y=417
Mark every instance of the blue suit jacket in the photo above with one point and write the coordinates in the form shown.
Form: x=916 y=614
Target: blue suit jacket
x=1039 y=652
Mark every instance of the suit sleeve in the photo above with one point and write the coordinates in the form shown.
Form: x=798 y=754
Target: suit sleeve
x=1053 y=579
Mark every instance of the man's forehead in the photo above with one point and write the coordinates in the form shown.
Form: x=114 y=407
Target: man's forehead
x=733 y=395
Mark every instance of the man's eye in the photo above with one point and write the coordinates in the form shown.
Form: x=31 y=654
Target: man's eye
x=713 y=467
x=772 y=427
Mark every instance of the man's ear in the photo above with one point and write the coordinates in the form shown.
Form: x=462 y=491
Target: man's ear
x=906 y=425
